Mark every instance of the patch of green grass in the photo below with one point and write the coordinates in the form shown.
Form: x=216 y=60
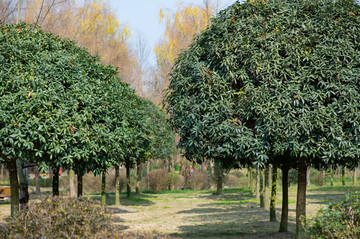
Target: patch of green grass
x=289 y=201
x=253 y=200
x=166 y=207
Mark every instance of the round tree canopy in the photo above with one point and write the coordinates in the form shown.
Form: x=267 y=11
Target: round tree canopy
x=55 y=102
x=270 y=79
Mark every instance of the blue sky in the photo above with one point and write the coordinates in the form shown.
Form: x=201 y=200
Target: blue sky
x=143 y=16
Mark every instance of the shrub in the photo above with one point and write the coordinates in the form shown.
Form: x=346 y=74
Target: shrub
x=231 y=181
x=317 y=179
x=67 y=218
x=59 y=218
x=339 y=220
x=197 y=180
x=158 y=180
x=175 y=180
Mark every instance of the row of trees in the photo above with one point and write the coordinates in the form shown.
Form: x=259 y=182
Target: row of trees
x=272 y=82
x=61 y=107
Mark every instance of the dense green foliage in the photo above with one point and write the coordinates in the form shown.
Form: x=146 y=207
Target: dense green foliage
x=53 y=104
x=149 y=134
x=339 y=220
x=276 y=79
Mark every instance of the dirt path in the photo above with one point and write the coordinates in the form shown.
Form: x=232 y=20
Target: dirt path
x=200 y=214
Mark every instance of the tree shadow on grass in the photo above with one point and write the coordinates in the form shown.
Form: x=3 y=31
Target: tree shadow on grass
x=246 y=220
x=141 y=200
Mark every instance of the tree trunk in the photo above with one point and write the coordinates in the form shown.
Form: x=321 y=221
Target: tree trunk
x=267 y=191
x=37 y=182
x=138 y=171
x=55 y=184
x=103 y=188
x=117 y=186
x=301 y=199
x=285 y=200
x=23 y=186
x=71 y=175
x=128 y=185
x=80 y=184
x=323 y=177
x=219 y=178
x=273 y=195
x=355 y=177
x=261 y=188
x=332 y=176
x=343 y=176
x=251 y=181
x=14 y=184
x=257 y=184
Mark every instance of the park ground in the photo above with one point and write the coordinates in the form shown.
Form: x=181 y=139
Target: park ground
x=201 y=214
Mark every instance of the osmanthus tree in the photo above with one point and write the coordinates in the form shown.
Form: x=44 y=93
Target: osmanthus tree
x=274 y=81
x=52 y=104
x=148 y=135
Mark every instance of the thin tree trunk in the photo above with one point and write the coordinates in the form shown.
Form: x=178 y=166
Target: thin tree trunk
x=219 y=178
x=128 y=185
x=267 y=191
x=323 y=177
x=251 y=181
x=117 y=186
x=301 y=199
x=261 y=188
x=80 y=184
x=14 y=184
x=55 y=184
x=273 y=195
x=332 y=176
x=71 y=175
x=285 y=200
x=23 y=186
x=343 y=175
x=103 y=188
x=138 y=171
x=355 y=177
x=37 y=182
x=257 y=184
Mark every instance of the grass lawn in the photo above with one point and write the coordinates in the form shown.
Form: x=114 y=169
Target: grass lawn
x=201 y=214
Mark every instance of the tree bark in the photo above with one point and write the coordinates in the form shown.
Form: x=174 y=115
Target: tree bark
x=80 y=184
x=267 y=191
x=343 y=176
x=37 y=182
x=138 y=171
x=323 y=177
x=251 y=181
x=55 y=184
x=71 y=175
x=301 y=199
x=23 y=186
x=285 y=200
x=117 y=186
x=14 y=185
x=128 y=185
x=332 y=176
x=273 y=195
x=103 y=188
x=219 y=178
x=257 y=184
x=261 y=188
